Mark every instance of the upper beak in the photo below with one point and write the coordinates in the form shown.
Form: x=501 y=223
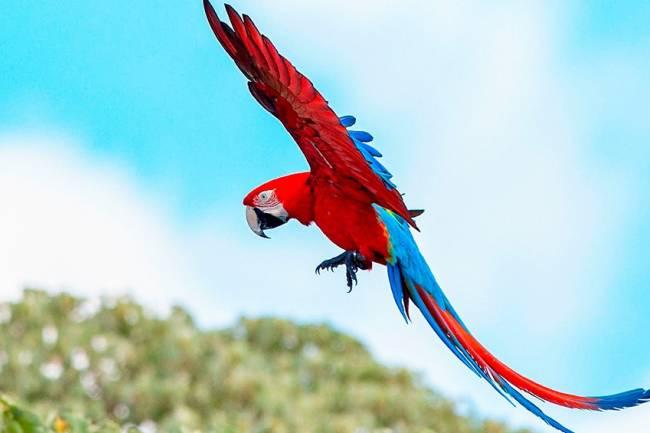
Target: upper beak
x=258 y=221
x=254 y=222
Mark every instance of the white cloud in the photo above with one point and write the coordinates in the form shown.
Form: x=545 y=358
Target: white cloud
x=70 y=221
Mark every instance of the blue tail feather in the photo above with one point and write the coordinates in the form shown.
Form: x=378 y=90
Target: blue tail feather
x=530 y=406
x=408 y=273
x=623 y=400
x=457 y=350
x=395 y=278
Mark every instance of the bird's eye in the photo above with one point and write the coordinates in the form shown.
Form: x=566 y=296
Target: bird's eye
x=264 y=196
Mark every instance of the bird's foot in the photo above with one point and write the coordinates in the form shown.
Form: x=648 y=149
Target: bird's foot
x=352 y=260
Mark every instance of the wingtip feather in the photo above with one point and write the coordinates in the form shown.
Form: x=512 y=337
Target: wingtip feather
x=229 y=8
x=236 y=21
x=220 y=29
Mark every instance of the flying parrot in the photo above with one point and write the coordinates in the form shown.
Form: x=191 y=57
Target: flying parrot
x=351 y=197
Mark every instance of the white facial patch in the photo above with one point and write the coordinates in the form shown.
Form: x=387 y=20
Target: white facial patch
x=266 y=199
x=277 y=211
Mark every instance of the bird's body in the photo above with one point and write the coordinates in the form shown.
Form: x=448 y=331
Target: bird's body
x=349 y=222
x=350 y=196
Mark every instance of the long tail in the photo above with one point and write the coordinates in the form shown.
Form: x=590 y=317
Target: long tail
x=412 y=280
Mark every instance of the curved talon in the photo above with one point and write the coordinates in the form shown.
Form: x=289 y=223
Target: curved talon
x=352 y=260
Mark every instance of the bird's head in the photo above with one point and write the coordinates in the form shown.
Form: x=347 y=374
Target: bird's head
x=275 y=202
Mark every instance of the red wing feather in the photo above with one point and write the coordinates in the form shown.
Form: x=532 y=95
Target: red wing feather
x=292 y=98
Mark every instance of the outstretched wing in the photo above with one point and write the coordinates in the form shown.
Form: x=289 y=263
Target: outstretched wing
x=330 y=149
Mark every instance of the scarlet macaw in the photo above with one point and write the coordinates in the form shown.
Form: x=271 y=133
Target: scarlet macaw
x=349 y=194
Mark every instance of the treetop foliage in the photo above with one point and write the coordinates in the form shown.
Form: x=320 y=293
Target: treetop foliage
x=114 y=363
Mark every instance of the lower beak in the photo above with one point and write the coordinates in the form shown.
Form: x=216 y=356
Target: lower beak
x=259 y=221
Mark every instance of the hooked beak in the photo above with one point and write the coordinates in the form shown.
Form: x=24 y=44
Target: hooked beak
x=259 y=221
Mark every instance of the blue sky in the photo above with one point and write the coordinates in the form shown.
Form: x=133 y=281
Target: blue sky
x=143 y=73
x=521 y=127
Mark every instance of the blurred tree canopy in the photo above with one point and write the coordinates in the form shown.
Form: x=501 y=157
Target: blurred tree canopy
x=115 y=364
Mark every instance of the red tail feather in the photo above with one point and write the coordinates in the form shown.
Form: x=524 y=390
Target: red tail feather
x=490 y=364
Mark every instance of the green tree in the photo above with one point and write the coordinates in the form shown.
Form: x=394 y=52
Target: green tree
x=113 y=362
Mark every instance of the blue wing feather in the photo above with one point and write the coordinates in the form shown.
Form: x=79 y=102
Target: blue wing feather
x=370 y=154
x=362 y=136
x=348 y=121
